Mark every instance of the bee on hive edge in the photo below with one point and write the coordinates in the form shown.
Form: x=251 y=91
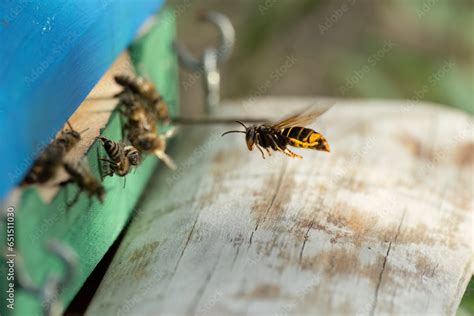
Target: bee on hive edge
x=147 y=91
x=49 y=160
x=286 y=132
x=139 y=86
x=85 y=181
x=68 y=139
x=151 y=143
x=45 y=166
x=138 y=116
x=122 y=157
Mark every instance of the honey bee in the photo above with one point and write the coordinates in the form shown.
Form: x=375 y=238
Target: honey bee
x=133 y=155
x=138 y=117
x=147 y=91
x=149 y=142
x=286 y=132
x=68 y=139
x=85 y=181
x=139 y=86
x=45 y=166
x=49 y=160
x=143 y=107
x=122 y=157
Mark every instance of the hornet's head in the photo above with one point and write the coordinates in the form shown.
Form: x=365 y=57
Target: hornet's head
x=250 y=135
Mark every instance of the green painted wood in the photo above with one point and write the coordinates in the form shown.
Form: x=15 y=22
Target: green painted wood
x=90 y=231
x=145 y=51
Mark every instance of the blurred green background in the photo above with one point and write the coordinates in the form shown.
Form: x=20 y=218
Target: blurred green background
x=419 y=50
x=403 y=49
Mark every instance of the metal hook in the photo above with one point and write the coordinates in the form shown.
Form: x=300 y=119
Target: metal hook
x=207 y=64
x=52 y=286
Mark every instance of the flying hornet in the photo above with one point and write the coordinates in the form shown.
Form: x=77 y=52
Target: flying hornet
x=279 y=135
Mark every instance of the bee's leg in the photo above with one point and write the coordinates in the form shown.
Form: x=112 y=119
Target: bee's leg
x=169 y=133
x=107 y=160
x=110 y=171
x=64 y=184
x=166 y=159
x=66 y=197
x=259 y=148
x=119 y=94
x=122 y=126
x=124 y=181
x=89 y=205
x=126 y=131
x=101 y=166
x=74 y=200
x=102 y=171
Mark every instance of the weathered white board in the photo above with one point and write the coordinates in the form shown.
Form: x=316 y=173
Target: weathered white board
x=382 y=224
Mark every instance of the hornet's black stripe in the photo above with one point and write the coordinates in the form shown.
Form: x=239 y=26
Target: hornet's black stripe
x=299 y=133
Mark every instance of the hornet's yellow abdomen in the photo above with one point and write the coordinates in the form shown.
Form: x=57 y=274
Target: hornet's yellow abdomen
x=305 y=138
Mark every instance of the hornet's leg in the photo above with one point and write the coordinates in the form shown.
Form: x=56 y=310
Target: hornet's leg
x=259 y=144
x=291 y=154
x=286 y=151
x=259 y=148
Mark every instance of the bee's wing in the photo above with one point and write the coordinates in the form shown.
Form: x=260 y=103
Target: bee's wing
x=301 y=118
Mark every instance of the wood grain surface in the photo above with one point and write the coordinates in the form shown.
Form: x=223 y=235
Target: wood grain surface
x=381 y=225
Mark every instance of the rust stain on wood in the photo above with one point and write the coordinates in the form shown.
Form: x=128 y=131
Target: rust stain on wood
x=347 y=216
x=368 y=228
x=424 y=266
x=416 y=147
x=262 y=291
x=465 y=155
x=144 y=251
x=141 y=258
x=420 y=234
x=412 y=144
x=225 y=160
x=341 y=261
x=423 y=269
